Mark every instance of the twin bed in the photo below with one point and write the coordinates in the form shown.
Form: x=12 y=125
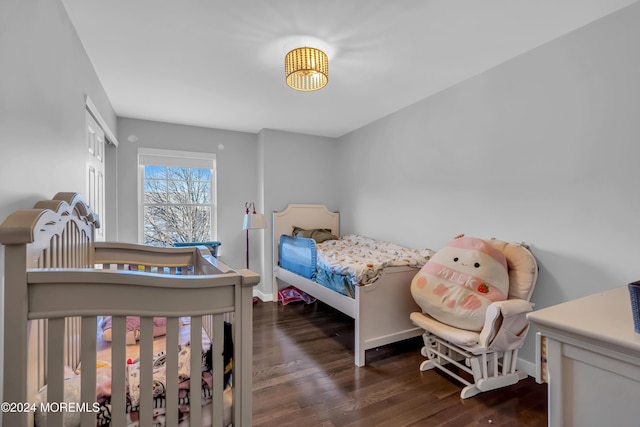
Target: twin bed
x=58 y=284
x=380 y=303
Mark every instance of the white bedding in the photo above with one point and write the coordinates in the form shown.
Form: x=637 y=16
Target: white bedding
x=362 y=259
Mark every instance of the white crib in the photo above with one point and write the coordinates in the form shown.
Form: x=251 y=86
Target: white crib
x=58 y=280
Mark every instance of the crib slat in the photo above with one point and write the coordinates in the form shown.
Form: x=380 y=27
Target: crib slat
x=88 y=377
x=41 y=337
x=52 y=253
x=72 y=341
x=207 y=324
x=72 y=356
x=118 y=371
x=59 y=248
x=77 y=234
x=45 y=258
x=217 y=338
x=64 y=245
x=75 y=343
x=55 y=369
x=195 y=404
x=172 y=372
x=85 y=251
x=146 y=371
x=74 y=246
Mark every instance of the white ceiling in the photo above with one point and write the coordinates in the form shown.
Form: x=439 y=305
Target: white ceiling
x=220 y=64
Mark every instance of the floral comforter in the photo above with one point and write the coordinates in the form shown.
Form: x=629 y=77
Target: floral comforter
x=362 y=259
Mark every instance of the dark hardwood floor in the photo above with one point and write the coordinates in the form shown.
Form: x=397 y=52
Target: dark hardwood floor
x=304 y=376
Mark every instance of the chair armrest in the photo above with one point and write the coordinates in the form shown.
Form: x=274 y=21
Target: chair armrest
x=506 y=325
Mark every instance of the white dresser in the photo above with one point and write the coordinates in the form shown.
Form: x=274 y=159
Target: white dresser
x=593 y=361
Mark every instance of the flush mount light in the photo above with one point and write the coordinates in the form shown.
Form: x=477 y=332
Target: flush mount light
x=306 y=69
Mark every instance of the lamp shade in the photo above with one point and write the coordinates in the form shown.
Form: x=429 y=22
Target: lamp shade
x=306 y=69
x=254 y=221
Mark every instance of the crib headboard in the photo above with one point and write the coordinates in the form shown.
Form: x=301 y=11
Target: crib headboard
x=45 y=232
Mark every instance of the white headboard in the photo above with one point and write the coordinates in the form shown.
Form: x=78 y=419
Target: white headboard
x=303 y=216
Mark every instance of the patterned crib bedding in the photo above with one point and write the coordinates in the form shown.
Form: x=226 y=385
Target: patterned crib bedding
x=159 y=388
x=104 y=375
x=356 y=260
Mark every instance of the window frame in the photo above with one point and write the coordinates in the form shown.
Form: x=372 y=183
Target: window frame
x=176 y=158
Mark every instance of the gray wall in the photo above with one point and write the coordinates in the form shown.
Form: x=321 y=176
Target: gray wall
x=542 y=149
x=296 y=169
x=44 y=77
x=236 y=176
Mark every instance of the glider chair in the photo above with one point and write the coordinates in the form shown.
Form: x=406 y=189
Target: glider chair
x=485 y=360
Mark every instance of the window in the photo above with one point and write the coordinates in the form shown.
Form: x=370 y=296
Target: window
x=177 y=197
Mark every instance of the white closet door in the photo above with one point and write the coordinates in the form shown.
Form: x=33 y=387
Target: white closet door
x=94 y=192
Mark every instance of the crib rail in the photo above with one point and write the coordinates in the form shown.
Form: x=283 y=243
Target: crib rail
x=161 y=260
x=86 y=292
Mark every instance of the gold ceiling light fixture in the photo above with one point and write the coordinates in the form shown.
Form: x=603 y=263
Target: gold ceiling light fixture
x=306 y=69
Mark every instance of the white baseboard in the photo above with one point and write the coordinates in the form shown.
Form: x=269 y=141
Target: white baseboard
x=526 y=366
x=262 y=296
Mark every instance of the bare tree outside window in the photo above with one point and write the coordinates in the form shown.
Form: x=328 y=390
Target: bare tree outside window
x=177 y=205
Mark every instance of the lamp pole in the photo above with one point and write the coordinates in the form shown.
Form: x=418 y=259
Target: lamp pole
x=247 y=249
x=252 y=220
x=246 y=205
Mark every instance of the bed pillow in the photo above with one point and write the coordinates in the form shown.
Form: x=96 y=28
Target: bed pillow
x=317 y=234
x=460 y=281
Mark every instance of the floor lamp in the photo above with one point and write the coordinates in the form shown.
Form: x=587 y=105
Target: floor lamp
x=252 y=221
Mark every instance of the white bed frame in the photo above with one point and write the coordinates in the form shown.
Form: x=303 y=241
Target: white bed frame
x=58 y=280
x=380 y=310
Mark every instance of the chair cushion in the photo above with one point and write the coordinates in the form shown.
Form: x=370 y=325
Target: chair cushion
x=456 y=336
x=460 y=281
x=523 y=269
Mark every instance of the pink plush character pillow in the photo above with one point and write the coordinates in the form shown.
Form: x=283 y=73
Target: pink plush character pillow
x=460 y=281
